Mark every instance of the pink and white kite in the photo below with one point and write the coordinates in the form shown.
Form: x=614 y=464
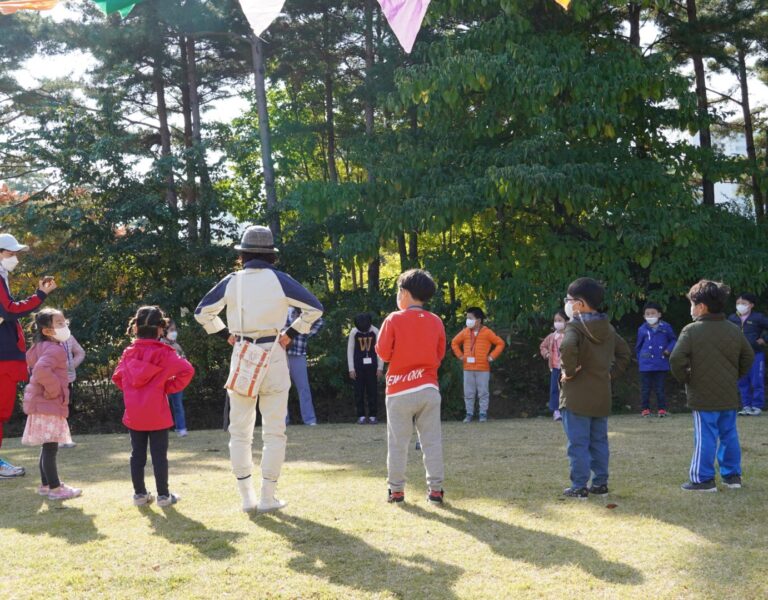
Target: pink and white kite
x=405 y=18
x=261 y=13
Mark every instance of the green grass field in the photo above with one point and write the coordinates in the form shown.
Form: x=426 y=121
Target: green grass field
x=504 y=533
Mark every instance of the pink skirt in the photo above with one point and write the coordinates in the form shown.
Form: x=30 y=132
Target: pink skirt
x=43 y=429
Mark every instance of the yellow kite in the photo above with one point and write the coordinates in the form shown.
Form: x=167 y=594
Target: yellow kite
x=8 y=7
x=564 y=3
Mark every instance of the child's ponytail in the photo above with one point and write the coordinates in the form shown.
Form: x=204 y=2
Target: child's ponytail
x=147 y=321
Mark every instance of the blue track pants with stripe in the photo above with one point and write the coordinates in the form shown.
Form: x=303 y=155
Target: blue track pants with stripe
x=709 y=428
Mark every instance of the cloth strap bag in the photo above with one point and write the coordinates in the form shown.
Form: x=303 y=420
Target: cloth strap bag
x=250 y=361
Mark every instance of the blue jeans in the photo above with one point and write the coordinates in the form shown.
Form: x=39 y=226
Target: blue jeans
x=653 y=381
x=177 y=405
x=554 y=390
x=709 y=427
x=752 y=385
x=297 y=365
x=587 y=448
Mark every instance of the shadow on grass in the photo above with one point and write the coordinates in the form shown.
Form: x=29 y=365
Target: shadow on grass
x=534 y=547
x=343 y=559
x=61 y=520
x=183 y=531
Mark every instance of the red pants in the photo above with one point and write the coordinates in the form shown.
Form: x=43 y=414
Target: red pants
x=7 y=401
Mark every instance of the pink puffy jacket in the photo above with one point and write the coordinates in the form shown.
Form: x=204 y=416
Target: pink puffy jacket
x=148 y=371
x=47 y=392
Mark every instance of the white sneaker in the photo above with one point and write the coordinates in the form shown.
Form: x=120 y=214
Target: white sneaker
x=746 y=411
x=69 y=445
x=756 y=412
x=8 y=471
x=247 y=493
x=168 y=500
x=270 y=505
x=182 y=433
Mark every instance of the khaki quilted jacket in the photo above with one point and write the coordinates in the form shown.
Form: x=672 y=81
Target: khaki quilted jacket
x=710 y=357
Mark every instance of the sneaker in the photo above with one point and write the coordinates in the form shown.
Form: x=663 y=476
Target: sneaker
x=706 y=486
x=435 y=496
x=746 y=411
x=468 y=418
x=733 y=482
x=580 y=493
x=646 y=413
x=182 y=433
x=598 y=490
x=662 y=413
x=396 y=497
x=270 y=505
x=43 y=490
x=143 y=499
x=8 y=471
x=756 y=412
x=483 y=418
x=68 y=445
x=556 y=416
x=64 y=492
x=168 y=500
x=361 y=421
x=373 y=420
x=312 y=424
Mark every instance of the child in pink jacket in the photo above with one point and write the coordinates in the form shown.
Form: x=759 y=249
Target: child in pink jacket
x=46 y=400
x=550 y=351
x=148 y=371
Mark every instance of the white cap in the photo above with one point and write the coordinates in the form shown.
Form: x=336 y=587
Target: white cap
x=8 y=242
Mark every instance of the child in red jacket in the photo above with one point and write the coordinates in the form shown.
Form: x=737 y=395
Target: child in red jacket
x=148 y=371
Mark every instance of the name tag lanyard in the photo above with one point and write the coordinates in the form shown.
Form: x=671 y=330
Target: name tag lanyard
x=471 y=358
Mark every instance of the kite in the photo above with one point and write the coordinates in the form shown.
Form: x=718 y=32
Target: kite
x=405 y=18
x=564 y=3
x=11 y=6
x=261 y=13
x=124 y=7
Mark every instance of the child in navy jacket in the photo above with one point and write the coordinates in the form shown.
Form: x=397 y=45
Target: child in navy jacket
x=655 y=341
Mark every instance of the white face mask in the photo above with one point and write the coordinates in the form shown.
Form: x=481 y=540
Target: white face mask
x=559 y=325
x=172 y=335
x=693 y=314
x=471 y=323
x=62 y=334
x=742 y=309
x=651 y=320
x=569 y=309
x=9 y=263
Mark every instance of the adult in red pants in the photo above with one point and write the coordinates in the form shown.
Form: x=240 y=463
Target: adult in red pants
x=13 y=364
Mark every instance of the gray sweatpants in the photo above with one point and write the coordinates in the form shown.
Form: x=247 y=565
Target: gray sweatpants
x=423 y=408
x=476 y=384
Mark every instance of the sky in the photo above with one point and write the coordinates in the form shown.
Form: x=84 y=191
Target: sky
x=76 y=65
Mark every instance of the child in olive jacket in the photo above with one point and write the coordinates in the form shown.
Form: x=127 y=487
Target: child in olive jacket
x=710 y=357
x=591 y=355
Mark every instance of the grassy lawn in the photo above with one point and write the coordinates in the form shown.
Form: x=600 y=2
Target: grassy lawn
x=504 y=532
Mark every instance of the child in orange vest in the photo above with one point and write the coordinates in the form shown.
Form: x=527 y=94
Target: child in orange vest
x=472 y=346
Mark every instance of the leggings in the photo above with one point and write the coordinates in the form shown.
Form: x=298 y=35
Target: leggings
x=158 y=447
x=49 y=474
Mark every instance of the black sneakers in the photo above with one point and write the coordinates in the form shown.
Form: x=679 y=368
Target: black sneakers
x=395 y=496
x=436 y=496
x=705 y=486
x=733 y=482
x=580 y=493
x=598 y=490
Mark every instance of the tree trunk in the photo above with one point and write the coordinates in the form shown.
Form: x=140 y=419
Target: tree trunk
x=403 y=251
x=374 y=268
x=190 y=192
x=634 y=25
x=158 y=81
x=259 y=75
x=749 y=134
x=705 y=136
x=206 y=187
x=413 y=248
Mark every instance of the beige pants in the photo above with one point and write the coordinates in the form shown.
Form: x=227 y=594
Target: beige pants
x=273 y=404
x=423 y=408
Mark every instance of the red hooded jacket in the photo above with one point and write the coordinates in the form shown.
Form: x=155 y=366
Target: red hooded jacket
x=148 y=371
